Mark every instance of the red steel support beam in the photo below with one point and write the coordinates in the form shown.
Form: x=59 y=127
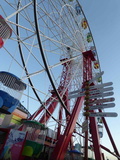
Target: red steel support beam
x=62 y=144
x=110 y=136
x=106 y=149
x=51 y=109
x=66 y=102
x=34 y=115
x=95 y=139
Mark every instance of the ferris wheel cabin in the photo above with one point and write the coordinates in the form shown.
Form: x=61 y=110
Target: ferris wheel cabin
x=11 y=89
x=5 y=31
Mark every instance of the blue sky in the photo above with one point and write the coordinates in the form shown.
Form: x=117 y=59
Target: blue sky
x=104 y=20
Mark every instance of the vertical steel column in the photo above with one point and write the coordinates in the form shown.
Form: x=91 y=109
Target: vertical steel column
x=64 y=81
x=95 y=139
x=87 y=75
x=88 y=57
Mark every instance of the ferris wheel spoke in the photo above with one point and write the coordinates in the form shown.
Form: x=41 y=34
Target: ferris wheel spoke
x=54 y=22
x=19 y=10
x=68 y=26
x=43 y=57
x=55 y=65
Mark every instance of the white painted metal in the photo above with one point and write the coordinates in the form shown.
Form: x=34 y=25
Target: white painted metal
x=85 y=126
x=104 y=100
x=76 y=95
x=101 y=85
x=96 y=77
x=100 y=90
x=92 y=87
x=101 y=95
x=109 y=105
x=103 y=114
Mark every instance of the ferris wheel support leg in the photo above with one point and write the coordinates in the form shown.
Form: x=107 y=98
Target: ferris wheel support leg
x=110 y=136
x=42 y=107
x=106 y=149
x=103 y=156
x=86 y=144
x=46 y=115
x=63 y=141
x=95 y=138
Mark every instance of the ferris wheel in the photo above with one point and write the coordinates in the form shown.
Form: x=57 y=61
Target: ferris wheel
x=52 y=51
